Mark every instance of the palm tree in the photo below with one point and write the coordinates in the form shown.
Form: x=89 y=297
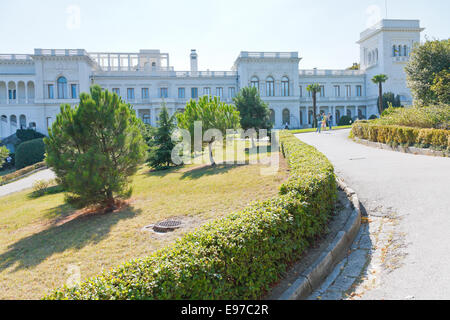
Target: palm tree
x=380 y=79
x=314 y=88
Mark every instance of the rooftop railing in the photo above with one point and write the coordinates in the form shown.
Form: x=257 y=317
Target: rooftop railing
x=262 y=54
x=60 y=52
x=15 y=57
x=318 y=72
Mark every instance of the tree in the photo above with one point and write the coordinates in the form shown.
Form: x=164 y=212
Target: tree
x=380 y=79
x=161 y=143
x=391 y=98
x=213 y=114
x=4 y=153
x=441 y=86
x=94 y=148
x=314 y=88
x=255 y=114
x=425 y=63
x=355 y=66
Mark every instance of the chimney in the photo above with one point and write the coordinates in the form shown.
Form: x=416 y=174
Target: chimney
x=194 y=62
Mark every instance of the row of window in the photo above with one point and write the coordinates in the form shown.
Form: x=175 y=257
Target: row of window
x=399 y=50
x=62 y=90
x=164 y=92
x=270 y=86
x=337 y=91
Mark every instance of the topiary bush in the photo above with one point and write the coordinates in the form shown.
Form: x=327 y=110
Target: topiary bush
x=345 y=121
x=29 y=152
x=236 y=257
x=28 y=134
x=401 y=135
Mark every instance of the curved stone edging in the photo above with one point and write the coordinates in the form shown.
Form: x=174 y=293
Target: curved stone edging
x=313 y=276
x=24 y=175
x=412 y=150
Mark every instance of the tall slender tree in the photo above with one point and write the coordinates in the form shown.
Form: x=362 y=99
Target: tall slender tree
x=161 y=144
x=314 y=88
x=255 y=114
x=380 y=79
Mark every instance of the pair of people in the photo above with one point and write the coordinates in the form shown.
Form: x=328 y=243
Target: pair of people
x=322 y=120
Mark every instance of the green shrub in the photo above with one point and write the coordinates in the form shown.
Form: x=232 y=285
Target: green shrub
x=28 y=134
x=236 y=257
x=345 y=121
x=30 y=152
x=40 y=186
x=400 y=135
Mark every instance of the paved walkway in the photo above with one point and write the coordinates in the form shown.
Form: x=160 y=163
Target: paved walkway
x=403 y=248
x=26 y=182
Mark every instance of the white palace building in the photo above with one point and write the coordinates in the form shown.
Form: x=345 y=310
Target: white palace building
x=33 y=86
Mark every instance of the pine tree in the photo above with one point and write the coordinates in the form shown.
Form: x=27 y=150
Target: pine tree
x=161 y=144
x=94 y=148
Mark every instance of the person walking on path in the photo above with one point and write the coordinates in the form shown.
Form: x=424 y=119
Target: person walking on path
x=330 y=121
x=324 y=122
x=319 y=122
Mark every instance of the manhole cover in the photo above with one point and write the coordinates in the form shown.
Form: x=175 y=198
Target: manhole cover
x=165 y=226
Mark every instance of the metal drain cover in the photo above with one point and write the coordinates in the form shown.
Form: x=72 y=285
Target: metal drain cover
x=165 y=226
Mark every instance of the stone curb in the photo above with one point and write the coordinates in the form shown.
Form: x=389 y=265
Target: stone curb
x=411 y=150
x=24 y=175
x=312 y=277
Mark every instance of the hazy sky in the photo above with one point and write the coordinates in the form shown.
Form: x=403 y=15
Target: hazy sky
x=324 y=32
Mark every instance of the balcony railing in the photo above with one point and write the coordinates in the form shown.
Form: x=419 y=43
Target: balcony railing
x=327 y=99
x=400 y=59
x=59 y=52
x=262 y=54
x=15 y=57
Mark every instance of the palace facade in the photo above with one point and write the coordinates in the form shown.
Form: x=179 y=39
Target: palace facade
x=33 y=86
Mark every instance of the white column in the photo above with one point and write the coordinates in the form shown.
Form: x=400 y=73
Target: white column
x=26 y=93
x=7 y=96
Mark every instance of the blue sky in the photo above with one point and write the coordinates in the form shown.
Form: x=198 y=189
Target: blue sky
x=322 y=31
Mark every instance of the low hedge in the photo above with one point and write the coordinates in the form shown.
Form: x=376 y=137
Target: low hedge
x=16 y=174
x=236 y=257
x=400 y=135
x=30 y=152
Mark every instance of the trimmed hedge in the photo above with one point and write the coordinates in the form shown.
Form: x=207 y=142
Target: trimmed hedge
x=236 y=257
x=16 y=174
x=30 y=152
x=400 y=135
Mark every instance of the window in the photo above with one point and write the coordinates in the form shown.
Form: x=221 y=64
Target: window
x=219 y=92
x=322 y=91
x=145 y=93
x=194 y=93
x=270 y=87
x=181 y=93
x=231 y=92
x=62 y=88
x=207 y=91
x=12 y=94
x=286 y=117
x=116 y=91
x=337 y=91
x=50 y=92
x=285 y=87
x=301 y=91
x=394 y=50
x=146 y=118
x=405 y=50
x=358 y=91
x=73 y=90
x=164 y=93
x=130 y=93
x=272 y=116
x=254 y=83
x=348 y=90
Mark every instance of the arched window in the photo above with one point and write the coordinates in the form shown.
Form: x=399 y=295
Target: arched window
x=270 y=87
x=23 y=121
x=285 y=87
x=62 y=88
x=272 y=116
x=254 y=83
x=286 y=117
x=405 y=50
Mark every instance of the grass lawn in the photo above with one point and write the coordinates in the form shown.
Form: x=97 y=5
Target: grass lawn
x=43 y=241
x=314 y=129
